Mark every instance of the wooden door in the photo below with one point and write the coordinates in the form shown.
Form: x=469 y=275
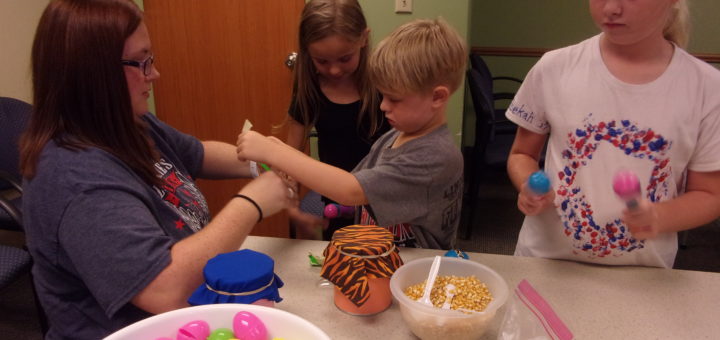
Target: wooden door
x=221 y=62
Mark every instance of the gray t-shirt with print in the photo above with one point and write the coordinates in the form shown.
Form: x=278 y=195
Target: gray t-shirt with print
x=99 y=234
x=420 y=183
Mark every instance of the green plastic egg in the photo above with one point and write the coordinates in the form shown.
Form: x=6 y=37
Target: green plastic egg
x=221 y=334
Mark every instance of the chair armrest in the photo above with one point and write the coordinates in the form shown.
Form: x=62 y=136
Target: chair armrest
x=503 y=95
x=11 y=211
x=508 y=78
x=6 y=177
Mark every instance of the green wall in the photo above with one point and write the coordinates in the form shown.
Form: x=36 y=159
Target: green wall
x=552 y=24
x=382 y=20
x=705 y=33
x=557 y=23
x=529 y=23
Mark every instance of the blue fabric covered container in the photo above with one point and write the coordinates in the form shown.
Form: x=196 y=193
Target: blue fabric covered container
x=242 y=276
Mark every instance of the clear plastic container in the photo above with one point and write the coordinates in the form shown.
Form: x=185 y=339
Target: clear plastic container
x=428 y=322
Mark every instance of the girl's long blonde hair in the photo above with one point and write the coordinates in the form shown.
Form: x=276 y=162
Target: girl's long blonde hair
x=677 y=28
x=321 y=19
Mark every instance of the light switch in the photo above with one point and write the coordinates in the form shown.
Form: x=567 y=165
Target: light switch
x=403 y=6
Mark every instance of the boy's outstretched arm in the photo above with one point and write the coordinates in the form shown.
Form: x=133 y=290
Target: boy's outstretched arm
x=329 y=181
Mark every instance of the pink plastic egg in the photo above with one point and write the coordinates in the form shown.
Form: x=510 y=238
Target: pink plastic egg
x=194 y=330
x=247 y=326
x=626 y=184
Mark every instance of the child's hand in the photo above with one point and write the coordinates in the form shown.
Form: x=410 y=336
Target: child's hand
x=642 y=220
x=254 y=146
x=307 y=226
x=532 y=204
x=291 y=182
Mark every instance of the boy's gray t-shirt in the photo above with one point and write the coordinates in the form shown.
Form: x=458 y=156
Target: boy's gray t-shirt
x=99 y=234
x=420 y=183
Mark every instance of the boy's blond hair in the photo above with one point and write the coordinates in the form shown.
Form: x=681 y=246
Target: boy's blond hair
x=419 y=56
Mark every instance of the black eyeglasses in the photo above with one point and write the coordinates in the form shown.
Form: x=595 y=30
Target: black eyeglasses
x=145 y=65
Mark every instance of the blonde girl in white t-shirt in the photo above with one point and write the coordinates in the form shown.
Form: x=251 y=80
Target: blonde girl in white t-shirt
x=632 y=99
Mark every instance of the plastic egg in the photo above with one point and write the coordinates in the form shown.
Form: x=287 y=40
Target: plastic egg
x=247 y=326
x=194 y=330
x=221 y=334
x=457 y=253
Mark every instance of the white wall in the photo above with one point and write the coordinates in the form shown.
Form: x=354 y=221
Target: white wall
x=18 y=20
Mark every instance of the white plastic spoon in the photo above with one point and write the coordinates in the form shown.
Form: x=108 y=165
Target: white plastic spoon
x=430 y=281
x=449 y=293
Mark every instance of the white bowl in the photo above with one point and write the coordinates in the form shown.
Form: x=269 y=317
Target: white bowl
x=429 y=322
x=279 y=323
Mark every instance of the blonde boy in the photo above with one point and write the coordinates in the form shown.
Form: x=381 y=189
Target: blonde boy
x=411 y=181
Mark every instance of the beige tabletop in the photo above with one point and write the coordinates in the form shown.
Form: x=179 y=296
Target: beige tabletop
x=595 y=302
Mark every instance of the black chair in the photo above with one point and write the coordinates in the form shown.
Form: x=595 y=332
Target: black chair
x=488 y=81
x=494 y=136
x=14 y=261
x=14 y=264
x=14 y=116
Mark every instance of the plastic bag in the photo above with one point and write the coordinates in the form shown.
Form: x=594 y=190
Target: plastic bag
x=529 y=316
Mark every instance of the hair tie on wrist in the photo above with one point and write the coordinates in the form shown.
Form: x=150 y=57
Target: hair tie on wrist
x=253 y=203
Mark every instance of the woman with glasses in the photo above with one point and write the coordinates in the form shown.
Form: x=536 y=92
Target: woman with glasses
x=117 y=227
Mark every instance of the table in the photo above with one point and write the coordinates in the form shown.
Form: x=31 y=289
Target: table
x=594 y=301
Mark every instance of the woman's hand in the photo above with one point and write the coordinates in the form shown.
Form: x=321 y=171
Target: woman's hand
x=533 y=204
x=270 y=192
x=642 y=220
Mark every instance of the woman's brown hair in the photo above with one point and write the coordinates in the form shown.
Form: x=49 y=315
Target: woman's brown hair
x=319 y=20
x=80 y=93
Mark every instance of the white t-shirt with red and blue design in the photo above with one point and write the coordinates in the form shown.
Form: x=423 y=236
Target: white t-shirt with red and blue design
x=598 y=125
